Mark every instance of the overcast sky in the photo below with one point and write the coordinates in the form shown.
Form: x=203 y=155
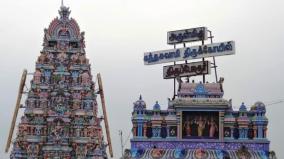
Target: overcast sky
x=118 y=32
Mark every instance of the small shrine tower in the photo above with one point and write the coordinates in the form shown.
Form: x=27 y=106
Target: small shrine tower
x=198 y=122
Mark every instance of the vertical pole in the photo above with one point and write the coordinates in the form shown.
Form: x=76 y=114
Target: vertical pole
x=203 y=59
x=174 y=78
x=215 y=69
x=185 y=60
x=121 y=142
x=214 y=62
x=184 y=47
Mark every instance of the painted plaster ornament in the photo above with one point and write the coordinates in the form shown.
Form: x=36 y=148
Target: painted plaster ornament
x=37 y=77
x=76 y=105
x=200 y=154
x=75 y=58
x=42 y=58
x=62 y=56
x=83 y=59
x=33 y=149
x=85 y=78
x=50 y=56
x=157 y=153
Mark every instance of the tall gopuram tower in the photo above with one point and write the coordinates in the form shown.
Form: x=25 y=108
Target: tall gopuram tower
x=60 y=113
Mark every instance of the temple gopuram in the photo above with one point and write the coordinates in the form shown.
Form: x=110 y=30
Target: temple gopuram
x=198 y=122
x=60 y=119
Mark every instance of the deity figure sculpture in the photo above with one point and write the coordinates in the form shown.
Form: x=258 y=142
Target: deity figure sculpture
x=42 y=58
x=187 y=127
x=201 y=126
x=83 y=59
x=82 y=39
x=50 y=57
x=213 y=128
x=47 y=75
x=206 y=127
x=76 y=105
x=75 y=58
x=85 y=78
x=75 y=75
x=57 y=132
x=33 y=149
x=62 y=56
x=91 y=132
x=37 y=77
x=77 y=133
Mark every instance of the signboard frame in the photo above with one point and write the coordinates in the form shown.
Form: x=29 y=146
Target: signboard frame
x=190 y=53
x=187 y=69
x=187 y=35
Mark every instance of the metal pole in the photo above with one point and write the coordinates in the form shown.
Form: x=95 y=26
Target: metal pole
x=215 y=69
x=121 y=142
x=203 y=59
x=174 y=78
x=214 y=62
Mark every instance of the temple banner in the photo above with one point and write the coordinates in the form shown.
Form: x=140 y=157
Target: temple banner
x=189 y=53
x=189 y=69
x=187 y=35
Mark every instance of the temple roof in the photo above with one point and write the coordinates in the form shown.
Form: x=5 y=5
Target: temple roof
x=259 y=107
x=200 y=89
x=243 y=108
x=63 y=28
x=157 y=107
x=139 y=104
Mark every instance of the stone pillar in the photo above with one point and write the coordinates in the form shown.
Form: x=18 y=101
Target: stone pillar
x=260 y=132
x=168 y=131
x=232 y=132
x=134 y=131
x=246 y=133
x=255 y=136
x=221 y=126
x=139 y=130
x=159 y=131
x=179 y=125
x=265 y=132
x=241 y=131
x=144 y=130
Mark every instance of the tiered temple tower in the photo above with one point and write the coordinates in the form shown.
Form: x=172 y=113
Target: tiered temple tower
x=60 y=118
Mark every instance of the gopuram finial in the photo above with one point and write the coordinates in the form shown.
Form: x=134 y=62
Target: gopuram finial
x=64 y=11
